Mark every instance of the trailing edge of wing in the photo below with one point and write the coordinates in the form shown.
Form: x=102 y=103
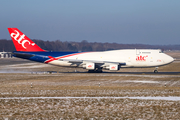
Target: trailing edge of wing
x=93 y=61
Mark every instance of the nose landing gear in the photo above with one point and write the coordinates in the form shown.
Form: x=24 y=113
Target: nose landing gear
x=156 y=71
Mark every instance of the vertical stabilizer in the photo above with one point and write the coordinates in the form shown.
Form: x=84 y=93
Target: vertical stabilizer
x=22 y=42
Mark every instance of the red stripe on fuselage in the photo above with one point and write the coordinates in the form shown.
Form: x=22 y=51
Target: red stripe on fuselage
x=52 y=58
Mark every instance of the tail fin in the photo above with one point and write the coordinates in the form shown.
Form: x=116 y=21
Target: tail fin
x=22 y=42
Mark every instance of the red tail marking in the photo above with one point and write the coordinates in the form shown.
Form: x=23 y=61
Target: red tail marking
x=22 y=42
x=52 y=58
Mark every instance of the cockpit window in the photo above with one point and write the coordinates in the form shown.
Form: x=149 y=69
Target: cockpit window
x=160 y=51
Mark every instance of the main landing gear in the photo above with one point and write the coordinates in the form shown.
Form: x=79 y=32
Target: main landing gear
x=95 y=71
x=156 y=71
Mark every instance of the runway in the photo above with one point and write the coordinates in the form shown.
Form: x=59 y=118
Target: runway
x=136 y=73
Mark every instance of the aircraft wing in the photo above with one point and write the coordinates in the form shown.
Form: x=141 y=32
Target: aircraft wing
x=90 y=64
x=91 y=61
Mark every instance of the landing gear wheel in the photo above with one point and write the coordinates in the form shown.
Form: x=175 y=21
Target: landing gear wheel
x=91 y=71
x=95 y=71
x=99 y=71
x=155 y=71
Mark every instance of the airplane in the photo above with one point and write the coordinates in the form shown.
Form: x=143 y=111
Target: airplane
x=94 y=62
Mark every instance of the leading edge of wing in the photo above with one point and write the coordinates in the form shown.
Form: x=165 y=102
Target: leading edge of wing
x=92 y=61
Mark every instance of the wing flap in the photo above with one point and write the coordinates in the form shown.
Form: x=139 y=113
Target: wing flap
x=91 y=61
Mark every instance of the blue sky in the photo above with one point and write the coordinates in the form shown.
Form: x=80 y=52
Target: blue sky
x=120 y=21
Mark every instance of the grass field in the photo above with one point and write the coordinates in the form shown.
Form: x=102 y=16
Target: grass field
x=17 y=80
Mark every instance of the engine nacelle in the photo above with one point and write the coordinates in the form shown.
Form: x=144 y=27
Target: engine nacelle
x=112 y=67
x=90 y=66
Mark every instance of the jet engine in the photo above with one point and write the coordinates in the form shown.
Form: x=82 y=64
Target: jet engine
x=90 y=66
x=113 y=67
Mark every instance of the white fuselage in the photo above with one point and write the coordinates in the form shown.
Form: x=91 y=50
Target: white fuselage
x=130 y=58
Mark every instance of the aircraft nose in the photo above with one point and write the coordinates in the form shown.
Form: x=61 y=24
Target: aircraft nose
x=168 y=59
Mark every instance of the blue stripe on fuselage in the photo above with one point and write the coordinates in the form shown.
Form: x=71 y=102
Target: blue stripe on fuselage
x=40 y=56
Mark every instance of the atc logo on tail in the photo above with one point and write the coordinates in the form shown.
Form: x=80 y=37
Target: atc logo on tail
x=22 y=42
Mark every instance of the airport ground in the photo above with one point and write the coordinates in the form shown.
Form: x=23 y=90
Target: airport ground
x=27 y=91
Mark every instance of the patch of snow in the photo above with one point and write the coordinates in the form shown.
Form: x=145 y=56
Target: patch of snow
x=140 y=81
x=157 y=98
x=146 y=98
x=13 y=71
x=25 y=65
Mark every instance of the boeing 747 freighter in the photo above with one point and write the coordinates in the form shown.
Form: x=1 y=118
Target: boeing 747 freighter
x=92 y=61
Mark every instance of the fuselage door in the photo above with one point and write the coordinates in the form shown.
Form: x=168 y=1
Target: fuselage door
x=138 y=52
